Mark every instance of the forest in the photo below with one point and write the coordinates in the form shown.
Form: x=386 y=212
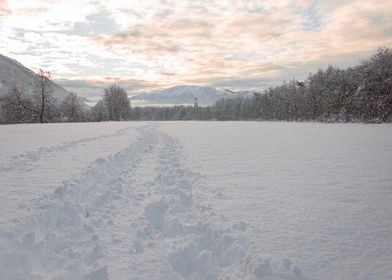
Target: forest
x=361 y=93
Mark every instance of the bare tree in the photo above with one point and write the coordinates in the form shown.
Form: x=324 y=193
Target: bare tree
x=16 y=107
x=117 y=103
x=43 y=94
x=99 y=111
x=72 y=107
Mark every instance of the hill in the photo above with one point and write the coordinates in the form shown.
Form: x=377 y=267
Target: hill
x=184 y=95
x=12 y=70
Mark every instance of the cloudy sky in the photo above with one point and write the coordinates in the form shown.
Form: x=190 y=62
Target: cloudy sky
x=152 y=44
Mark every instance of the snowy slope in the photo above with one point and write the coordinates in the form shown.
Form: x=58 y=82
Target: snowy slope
x=184 y=95
x=11 y=70
x=195 y=200
x=316 y=194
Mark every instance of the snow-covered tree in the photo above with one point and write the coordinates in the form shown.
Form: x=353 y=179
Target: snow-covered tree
x=16 y=107
x=99 y=112
x=117 y=103
x=72 y=107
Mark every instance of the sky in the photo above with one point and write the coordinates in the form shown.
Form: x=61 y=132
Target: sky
x=155 y=44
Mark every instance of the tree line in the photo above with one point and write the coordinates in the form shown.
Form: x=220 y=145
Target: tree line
x=362 y=93
x=18 y=107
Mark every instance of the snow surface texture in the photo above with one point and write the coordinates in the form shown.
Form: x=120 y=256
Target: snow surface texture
x=195 y=200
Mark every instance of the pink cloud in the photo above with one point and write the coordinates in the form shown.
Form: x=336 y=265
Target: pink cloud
x=4 y=9
x=164 y=43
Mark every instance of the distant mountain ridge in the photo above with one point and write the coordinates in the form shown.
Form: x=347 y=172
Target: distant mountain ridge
x=13 y=71
x=183 y=95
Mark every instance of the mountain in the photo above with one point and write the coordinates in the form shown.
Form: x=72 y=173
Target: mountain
x=184 y=95
x=11 y=70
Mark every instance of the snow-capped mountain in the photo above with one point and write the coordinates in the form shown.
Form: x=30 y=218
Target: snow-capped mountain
x=184 y=95
x=12 y=71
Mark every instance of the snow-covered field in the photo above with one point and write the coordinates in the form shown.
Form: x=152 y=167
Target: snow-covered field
x=196 y=200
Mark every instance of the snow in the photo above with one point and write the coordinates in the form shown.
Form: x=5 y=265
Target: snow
x=35 y=158
x=195 y=200
x=184 y=95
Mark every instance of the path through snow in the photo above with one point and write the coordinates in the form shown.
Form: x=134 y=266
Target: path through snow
x=131 y=215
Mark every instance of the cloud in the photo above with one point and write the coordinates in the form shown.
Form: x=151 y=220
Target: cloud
x=93 y=86
x=4 y=10
x=99 y=22
x=246 y=83
x=160 y=43
x=34 y=11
